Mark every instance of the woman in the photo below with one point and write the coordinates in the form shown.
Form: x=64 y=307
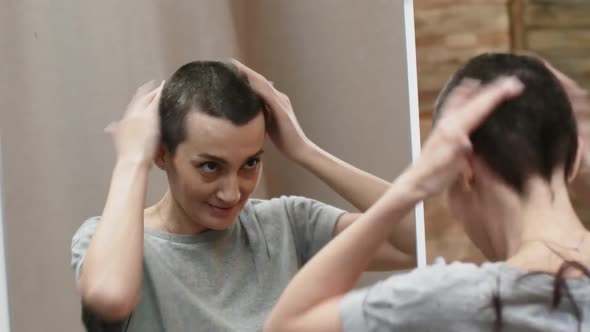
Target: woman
x=504 y=147
x=206 y=256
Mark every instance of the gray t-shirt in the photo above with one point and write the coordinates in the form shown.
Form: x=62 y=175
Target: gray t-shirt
x=220 y=280
x=460 y=297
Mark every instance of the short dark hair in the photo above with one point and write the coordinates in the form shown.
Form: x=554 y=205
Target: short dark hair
x=531 y=134
x=213 y=87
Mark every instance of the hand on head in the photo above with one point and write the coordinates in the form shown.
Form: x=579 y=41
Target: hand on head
x=136 y=135
x=580 y=101
x=282 y=125
x=446 y=151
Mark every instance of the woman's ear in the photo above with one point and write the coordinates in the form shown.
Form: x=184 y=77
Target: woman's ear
x=467 y=175
x=577 y=161
x=161 y=155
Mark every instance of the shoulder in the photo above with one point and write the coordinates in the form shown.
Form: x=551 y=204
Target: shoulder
x=441 y=291
x=283 y=205
x=291 y=208
x=85 y=230
x=277 y=202
x=443 y=277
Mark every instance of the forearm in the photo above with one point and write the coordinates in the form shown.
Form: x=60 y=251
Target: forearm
x=336 y=268
x=358 y=187
x=112 y=271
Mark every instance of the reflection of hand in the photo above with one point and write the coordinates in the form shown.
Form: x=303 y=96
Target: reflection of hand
x=282 y=125
x=137 y=134
x=445 y=153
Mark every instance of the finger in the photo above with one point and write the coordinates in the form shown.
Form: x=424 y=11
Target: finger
x=156 y=99
x=480 y=106
x=242 y=68
x=257 y=81
x=260 y=85
x=146 y=87
x=147 y=99
x=251 y=75
x=467 y=88
x=141 y=92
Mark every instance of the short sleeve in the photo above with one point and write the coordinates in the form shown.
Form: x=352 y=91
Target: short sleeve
x=80 y=243
x=313 y=223
x=418 y=301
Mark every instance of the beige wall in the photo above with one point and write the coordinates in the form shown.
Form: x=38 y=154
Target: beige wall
x=342 y=63
x=447 y=35
x=70 y=67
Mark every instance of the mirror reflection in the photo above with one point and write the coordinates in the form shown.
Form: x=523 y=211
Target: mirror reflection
x=213 y=183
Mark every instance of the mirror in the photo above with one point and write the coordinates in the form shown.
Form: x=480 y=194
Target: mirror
x=448 y=34
x=71 y=67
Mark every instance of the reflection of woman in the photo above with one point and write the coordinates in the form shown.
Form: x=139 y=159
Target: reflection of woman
x=206 y=257
x=506 y=176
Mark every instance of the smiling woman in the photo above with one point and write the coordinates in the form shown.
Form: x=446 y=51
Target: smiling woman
x=206 y=234
x=193 y=243
x=213 y=133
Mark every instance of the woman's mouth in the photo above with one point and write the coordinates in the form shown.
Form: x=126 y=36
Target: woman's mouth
x=221 y=210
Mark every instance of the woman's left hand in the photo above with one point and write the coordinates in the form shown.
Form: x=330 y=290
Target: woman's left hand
x=281 y=123
x=580 y=101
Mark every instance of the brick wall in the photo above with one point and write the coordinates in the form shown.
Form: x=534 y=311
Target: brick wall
x=449 y=32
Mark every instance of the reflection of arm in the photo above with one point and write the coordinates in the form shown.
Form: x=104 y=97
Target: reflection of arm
x=359 y=188
x=362 y=190
x=311 y=301
x=110 y=278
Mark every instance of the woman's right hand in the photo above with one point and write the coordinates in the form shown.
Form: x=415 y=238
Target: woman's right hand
x=137 y=134
x=445 y=154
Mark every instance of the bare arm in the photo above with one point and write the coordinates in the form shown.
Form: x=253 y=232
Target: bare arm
x=110 y=278
x=312 y=299
x=358 y=187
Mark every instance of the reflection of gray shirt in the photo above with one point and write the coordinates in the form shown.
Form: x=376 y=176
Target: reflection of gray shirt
x=459 y=296
x=221 y=280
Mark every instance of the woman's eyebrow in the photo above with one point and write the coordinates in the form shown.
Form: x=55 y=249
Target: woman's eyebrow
x=257 y=154
x=212 y=157
x=223 y=161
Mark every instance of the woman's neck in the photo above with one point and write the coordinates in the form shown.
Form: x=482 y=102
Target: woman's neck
x=540 y=232
x=168 y=216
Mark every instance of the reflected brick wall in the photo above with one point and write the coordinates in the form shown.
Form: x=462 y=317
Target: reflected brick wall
x=449 y=32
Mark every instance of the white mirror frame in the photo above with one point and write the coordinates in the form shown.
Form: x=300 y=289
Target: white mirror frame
x=414 y=122
x=4 y=313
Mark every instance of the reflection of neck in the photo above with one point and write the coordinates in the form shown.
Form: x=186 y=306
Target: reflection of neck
x=171 y=218
x=544 y=218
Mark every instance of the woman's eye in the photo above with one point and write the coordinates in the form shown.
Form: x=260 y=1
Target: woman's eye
x=251 y=163
x=209 y=167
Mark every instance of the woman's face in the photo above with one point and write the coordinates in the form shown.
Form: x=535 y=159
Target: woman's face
x=216 y=168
